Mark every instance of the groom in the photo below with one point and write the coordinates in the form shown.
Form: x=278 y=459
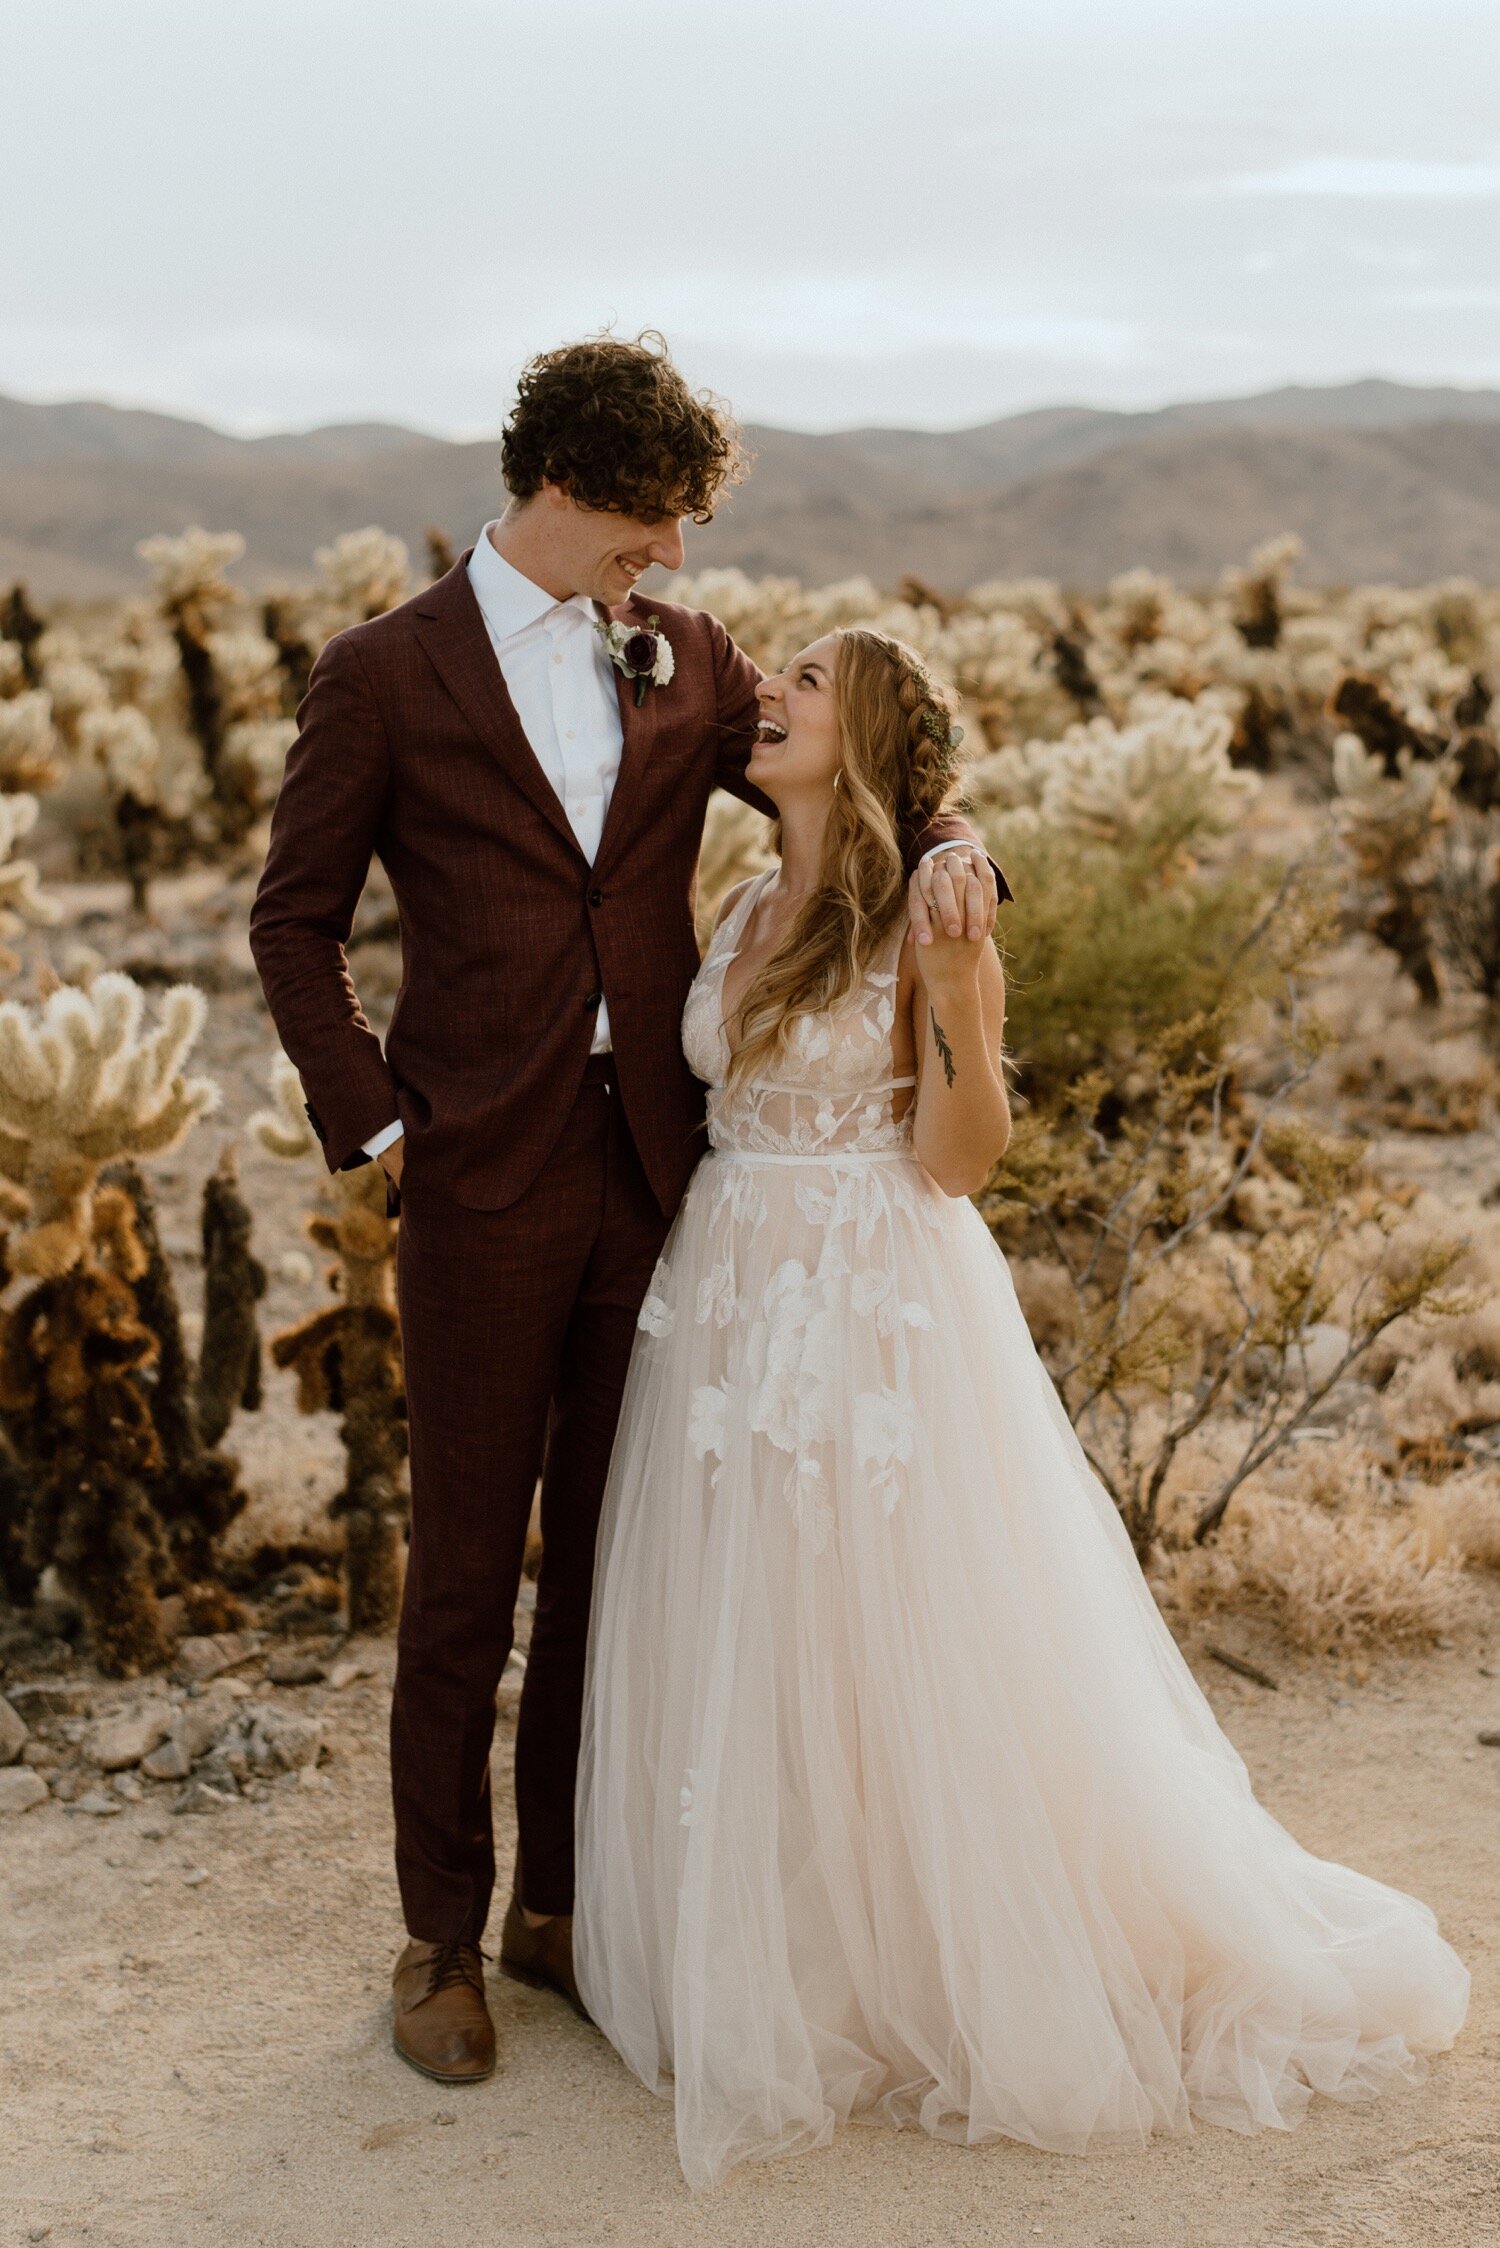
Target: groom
x=535 y=788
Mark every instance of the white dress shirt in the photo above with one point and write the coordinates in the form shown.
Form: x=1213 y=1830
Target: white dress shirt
x=562 y=683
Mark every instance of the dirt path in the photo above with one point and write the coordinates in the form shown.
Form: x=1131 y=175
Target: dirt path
x=208 y=2061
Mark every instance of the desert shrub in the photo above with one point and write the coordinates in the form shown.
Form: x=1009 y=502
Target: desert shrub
x=1171 y=1306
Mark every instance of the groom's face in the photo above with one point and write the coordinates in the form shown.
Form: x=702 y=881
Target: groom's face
x=604 y=554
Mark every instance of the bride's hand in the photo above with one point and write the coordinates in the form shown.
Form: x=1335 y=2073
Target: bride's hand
x=949 y=965
x=954 y=893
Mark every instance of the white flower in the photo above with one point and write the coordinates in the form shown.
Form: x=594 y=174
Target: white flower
x=620 y=643
x=885 y=1428
x=716 y=1296
x=706 y=1418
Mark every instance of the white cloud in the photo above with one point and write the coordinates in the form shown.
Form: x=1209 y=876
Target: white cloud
x=1361 y=177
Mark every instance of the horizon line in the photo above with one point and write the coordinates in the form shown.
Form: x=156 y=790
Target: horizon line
x=251 y=433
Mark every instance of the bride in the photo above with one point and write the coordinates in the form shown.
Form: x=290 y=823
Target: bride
x=897 y=1800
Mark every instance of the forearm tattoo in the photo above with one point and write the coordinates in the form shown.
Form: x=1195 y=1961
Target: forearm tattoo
x=945 y=1051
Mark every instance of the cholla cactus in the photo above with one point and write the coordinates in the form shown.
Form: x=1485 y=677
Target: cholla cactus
x=125 y=746
x=28 y=742
x=80 y=1084
x=1389 y=808
x=189 y=570
x=255 y=753
x=347 y=1358
x=226 y=675
x=195 y=1488
x=21 y=628
x=1257 y=591
x=364 y=573
x=1165 y=778
x=75 y=685
x=229 y=1362
x=21 y=897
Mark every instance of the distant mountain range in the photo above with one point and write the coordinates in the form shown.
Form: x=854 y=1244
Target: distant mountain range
x=1381 y=480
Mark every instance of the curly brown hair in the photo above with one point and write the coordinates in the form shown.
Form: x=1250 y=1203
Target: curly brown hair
x=616 y=425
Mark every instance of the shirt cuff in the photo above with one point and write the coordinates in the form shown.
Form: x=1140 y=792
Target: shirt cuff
x=378 y=1142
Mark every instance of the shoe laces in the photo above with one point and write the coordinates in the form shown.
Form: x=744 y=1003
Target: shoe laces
x=453 y=1963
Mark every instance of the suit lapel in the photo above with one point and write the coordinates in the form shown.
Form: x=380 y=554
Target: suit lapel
x=638 y=728
x=455 y=636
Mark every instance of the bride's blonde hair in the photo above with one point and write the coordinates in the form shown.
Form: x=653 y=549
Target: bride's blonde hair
x=898 y=744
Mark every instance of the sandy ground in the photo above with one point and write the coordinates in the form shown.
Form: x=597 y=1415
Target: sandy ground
x=209 y=2060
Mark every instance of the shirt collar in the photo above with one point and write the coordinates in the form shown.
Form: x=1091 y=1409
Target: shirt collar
x=509 y=600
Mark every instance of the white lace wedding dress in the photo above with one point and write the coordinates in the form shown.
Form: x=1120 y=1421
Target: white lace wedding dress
x=897 y=1800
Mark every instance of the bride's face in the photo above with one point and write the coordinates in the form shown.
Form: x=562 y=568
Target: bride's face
x=796 y=750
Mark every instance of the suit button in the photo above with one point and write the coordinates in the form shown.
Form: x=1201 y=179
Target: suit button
x=596 y=897
x=593 y=1000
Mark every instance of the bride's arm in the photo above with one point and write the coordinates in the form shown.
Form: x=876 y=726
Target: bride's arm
x=962 y=1120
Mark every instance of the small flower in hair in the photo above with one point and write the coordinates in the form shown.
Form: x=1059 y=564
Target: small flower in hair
x=940 y=728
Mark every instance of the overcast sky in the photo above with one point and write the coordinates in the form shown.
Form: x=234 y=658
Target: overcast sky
x=271 y=213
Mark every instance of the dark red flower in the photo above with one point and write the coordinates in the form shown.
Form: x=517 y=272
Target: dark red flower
x=639 y=651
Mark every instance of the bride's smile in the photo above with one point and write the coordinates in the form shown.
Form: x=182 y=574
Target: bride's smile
x=796 y=748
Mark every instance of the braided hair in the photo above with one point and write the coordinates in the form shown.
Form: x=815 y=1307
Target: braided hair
x=899 y=745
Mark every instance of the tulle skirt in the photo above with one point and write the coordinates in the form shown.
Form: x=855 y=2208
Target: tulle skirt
x=897 y=1800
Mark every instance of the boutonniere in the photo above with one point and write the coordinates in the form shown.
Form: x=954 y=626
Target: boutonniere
x=642 y=652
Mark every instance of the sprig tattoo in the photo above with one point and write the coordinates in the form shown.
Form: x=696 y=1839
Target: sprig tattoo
x=945 y=1051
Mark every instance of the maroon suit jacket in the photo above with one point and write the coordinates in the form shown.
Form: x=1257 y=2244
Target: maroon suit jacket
x=409 y=749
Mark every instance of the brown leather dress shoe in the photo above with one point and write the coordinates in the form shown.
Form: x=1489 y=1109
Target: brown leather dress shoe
x=542 y=1957
x=441 y=2023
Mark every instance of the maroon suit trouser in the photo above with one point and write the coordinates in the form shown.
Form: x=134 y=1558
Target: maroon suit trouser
x=517 y=1327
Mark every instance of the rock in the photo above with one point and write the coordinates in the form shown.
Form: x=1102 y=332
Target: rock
x=204 y=1657
x=344 y=1674
x=295 y=1670
x=40 y=1755
x=1323 y=1346
x=219 y=1771
x=49 y=1697
x=97 y=1804
x=1487 y=1739
x=68 y=1784
x=199 y=1796
x=21 y=1788
x=127 y=1787
x=14 y=1732
x=200 y=1721
x=283 y=1741
x=193 y=1880
x=169 y=1762
x=118 y=1742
